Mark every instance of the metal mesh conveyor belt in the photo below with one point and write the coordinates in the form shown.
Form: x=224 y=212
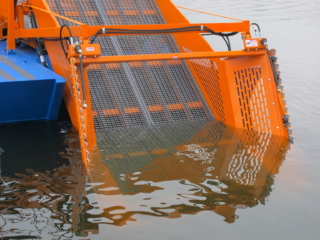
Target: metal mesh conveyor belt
x=128 y=150
x=139 y=93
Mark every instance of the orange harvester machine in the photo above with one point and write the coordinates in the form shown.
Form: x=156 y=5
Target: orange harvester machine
x=134 y=63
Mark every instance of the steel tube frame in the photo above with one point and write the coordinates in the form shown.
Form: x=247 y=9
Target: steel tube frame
x=171 y=56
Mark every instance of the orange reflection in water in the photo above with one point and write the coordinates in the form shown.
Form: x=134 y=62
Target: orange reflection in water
x=162 y=171
x=193 y=167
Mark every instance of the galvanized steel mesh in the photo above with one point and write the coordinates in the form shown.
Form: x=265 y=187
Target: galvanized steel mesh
x=139 y=93
x=128 y=150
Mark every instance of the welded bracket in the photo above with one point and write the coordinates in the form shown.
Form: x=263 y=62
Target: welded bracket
x=87 y=49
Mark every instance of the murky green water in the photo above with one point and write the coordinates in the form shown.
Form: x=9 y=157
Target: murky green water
x=180 y=181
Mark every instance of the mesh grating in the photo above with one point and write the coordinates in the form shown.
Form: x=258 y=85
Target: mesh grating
x=106 y=46
x=207 y=72
x=84 y=11
x=140 y=93
x=145 y=44
x=128 y=12
x=209 y=75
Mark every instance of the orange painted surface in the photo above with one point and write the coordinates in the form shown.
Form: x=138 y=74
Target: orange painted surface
x=133 y=110
x=88 y=50
x=195 y=104
x=111 y=112
x=112 y=13
x=239 y=86
x=155 y=108
x=175 y=106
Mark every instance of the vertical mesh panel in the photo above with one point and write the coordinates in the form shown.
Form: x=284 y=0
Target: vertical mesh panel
x=208 y=75
x=252 y=99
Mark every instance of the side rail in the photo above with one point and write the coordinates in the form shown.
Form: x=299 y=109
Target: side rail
x=8 y=24
x=81 y=108
x=71 y=73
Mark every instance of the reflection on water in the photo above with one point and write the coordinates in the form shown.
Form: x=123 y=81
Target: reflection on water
x=41 y=204
x=162 y=171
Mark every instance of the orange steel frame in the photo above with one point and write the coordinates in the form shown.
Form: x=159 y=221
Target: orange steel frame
x=192 y=46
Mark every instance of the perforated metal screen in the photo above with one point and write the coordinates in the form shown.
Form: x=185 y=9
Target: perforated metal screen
x=252 y=99
x=140 y=93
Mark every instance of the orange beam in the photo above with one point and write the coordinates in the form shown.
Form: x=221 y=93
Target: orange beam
x=171 y=56
x=77 y=31
x=11 y=41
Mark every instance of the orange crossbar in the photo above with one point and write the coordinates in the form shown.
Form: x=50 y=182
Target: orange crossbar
x=112 y=13
x=149 y=12
x=135 y=64
x=155 y=108
x=111 y=112
x=91 y=13
x=131 y=12
x=132 y=110
x=72 y=13
x=195 y=104
x=172 y=56
x=175 y=106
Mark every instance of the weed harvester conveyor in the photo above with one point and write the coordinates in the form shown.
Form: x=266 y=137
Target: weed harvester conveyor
x=134 y=63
